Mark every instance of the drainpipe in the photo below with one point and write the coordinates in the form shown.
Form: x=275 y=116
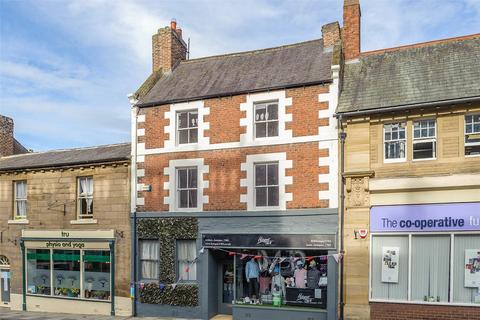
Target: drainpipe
x=343 y=135
x=133 y=201
x=24 y=280
x=112 y=276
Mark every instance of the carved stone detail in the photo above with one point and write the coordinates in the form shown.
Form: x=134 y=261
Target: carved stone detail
x=357 y=191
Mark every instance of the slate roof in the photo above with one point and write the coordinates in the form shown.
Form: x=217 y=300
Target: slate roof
x=259 y=70
x=66 y=157
x=439 y=71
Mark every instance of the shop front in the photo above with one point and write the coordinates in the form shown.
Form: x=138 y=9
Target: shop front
x=425 y=255
x=69 y=270
x=275 y=276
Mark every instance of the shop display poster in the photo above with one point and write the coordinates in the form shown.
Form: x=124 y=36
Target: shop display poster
x=472 y=268
x=390 y=258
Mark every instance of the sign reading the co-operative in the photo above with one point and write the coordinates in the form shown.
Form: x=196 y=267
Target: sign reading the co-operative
x=294 y=241
x=426 y=217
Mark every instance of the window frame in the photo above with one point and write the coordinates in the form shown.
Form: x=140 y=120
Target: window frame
x=157 y=261
x=188 y=128
x=423 y=140
x=178 y=189
x=405 y=140
x=410 y=235
x=473 y=132
x=16 y=200
x=79 y=198
x=267 y=186
x=177 y=261
x=267 y=121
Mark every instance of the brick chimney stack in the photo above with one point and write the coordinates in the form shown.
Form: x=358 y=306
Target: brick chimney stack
x=351 y=29
x=330 y=34
x=168 y=48
x=7 y=147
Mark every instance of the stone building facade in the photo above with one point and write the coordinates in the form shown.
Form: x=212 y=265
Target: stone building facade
x=411 y=116
x=75 y=199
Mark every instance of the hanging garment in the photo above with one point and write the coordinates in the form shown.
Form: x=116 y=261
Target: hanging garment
x=300 y=276
x=265 y=284
x=278 y=284
x=313 y=276
x=252 y=270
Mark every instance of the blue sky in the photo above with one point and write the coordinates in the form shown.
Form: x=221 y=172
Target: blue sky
x=66 y=67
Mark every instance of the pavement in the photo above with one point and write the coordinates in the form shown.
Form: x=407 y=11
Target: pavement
x=6 y=314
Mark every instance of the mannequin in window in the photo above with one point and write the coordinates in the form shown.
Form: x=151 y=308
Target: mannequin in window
x=278 y=283
x=313 y=276
x=300 y=275
x=252 y=274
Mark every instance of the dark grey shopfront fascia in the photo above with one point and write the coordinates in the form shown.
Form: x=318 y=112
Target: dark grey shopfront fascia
x=214 y=267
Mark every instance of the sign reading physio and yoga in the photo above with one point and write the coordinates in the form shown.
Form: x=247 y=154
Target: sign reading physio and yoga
x=426 y=217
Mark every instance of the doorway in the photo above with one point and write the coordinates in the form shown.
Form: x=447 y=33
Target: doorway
x=4 y=281
x=226 y=286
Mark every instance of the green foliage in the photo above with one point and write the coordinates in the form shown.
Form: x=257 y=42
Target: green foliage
x=167 y=231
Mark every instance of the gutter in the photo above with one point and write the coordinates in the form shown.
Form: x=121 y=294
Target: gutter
x=228 y=94
x=406 y=107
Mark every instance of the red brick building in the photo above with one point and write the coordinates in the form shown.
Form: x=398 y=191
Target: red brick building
x=236 y=160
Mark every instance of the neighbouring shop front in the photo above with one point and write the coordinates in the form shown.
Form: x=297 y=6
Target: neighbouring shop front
x=427 y=255
x=265 y=265
x=69 y=270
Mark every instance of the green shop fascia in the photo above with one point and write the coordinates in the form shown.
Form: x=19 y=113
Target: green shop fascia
x=75 y=266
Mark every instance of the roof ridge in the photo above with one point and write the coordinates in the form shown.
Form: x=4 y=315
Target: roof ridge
x=421 y=44
x=255 y=51
x=63 y=150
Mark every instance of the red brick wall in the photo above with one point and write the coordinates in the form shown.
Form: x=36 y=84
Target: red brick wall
x=351 y=29
x=397 y=311
x=225 y=118
x=304 y=109
x=225 y=174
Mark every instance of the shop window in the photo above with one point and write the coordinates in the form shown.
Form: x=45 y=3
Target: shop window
x=149 y=259
x=187 y=187
x=466 y=271
x=424 y=139
x=472 y=135
x=430 y=268
x=20 y=200
x=186 y=260
x=96 y=274
x=266 y=185
x=85 y=197
x=66 y=273
x=296 y=278
x=38 y=271
x=187 y=127
x=266 y=120
x=389 y=267
x=395 y=142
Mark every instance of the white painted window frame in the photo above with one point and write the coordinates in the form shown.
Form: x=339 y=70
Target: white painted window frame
x=283 y=180
x=177 y=123
x=396 y=160
x=266 y=121
x=421 y=139
x=16 y=199
x=79 y=199
x=465 y=135
x=171 y=185
x=266 y=182
x=179 y=189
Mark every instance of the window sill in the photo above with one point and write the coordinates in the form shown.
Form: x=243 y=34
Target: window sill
x=395 y=160
x=423 y=159
x=84 y=221
x=18 y=221
x=472 y=155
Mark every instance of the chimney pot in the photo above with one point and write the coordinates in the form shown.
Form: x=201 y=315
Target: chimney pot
x=173 y=24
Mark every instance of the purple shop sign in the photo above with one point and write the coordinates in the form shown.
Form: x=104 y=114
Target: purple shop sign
x=426 y=217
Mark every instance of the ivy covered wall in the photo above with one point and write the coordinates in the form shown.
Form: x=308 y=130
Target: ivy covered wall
x=167 y=231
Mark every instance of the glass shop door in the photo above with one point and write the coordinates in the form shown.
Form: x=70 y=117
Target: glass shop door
x=226 y=286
